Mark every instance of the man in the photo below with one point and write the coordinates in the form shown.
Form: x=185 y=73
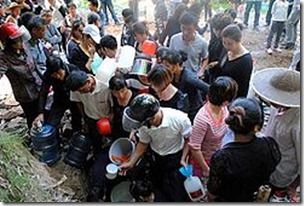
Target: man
x=95 y=102
x=165 y=131
x=94 y=18
x=127 y=36
x=55 y=77
x=281 y=88
x=191 y=42
x=94 y=6
x=109 y=4
x=37 y=27
x=257 y=11
x=291 y=26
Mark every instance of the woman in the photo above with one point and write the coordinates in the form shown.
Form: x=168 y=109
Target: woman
x=237 y=64
x=83 y=54
x=19 y=66
x=67 y=23
x=209 y=125
x=185 y=80
x=160 y=79
x=141 y=33
x=242 y=166
x=173 y=26
x=75 y=37
x=121 y=96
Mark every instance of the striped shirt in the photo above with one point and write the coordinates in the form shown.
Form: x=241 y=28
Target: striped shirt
x=207 y=132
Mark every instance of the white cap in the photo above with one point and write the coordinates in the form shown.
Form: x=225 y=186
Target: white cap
x=93 y=31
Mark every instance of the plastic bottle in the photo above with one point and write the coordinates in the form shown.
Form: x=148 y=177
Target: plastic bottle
x=194 y=188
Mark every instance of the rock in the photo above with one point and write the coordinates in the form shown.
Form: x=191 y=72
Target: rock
x=17 y=124
x=9 y=114
x=9 y=101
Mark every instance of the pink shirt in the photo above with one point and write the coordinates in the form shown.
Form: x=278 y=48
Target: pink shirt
x=207 y=132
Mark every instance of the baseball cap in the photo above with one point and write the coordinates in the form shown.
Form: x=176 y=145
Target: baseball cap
x=76 y=80
x=93 y=31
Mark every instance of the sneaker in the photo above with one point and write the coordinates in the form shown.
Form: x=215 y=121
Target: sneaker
x=269 y=51
x=277 y=50
x=256 y=28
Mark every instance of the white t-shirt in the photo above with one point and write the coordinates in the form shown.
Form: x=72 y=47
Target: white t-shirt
x=97 y=104
x=167 y=138
x=197 y=50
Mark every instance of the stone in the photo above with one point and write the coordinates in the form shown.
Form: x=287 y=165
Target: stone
x=9 y=114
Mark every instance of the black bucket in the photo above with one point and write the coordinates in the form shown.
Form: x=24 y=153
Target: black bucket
x=45 y=141
x=78 y=150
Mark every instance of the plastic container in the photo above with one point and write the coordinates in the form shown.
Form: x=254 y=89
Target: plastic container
x=103 y=126
x=121 y=193
x=112 y=171
x=121 y=150
x=45 y=141
x=78 y=150
x=142 y=65
x=194 y=188
x=106 y=70
x=125 y=58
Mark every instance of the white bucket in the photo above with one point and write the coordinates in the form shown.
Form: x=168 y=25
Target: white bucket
x=125 y=58
x=122 y=147
x=106 y=70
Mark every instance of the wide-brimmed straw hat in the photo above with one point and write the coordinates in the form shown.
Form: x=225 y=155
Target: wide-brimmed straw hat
x=281 y=86
x=16 y=5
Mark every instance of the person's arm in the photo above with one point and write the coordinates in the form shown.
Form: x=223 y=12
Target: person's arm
x=185 y=154
x=139 y=151
x=197 y=138
x=195 y=82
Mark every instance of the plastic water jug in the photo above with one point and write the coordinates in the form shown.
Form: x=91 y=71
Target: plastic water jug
x=194 y=188
x=125 y=58
x=106 y=70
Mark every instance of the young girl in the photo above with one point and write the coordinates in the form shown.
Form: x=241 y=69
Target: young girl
x=209 y=125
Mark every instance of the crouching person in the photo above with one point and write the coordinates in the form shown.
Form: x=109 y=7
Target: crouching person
x=94 y=101
x=164 y=130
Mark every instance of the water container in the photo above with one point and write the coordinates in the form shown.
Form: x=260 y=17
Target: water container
x=194 y=188
x=142 y=65
x=45 y=141
x=78 y=150
x=106 y=70
x=125 y=58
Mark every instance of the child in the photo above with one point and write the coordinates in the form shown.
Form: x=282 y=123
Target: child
x=279 y=16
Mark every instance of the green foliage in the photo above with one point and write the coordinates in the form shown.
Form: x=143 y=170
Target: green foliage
x=16 y=176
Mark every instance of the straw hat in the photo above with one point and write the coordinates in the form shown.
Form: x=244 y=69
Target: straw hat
x=14 y=5
x=278 y=85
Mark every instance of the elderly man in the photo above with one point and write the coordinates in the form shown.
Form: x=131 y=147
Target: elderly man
x=281 y=88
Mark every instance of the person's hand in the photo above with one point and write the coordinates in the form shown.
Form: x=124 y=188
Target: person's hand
x=123 y=169
x=92 y=50
x=132 y=137
x=212 y=64
x=37 y=123
x=205 y=172
x=183 y=163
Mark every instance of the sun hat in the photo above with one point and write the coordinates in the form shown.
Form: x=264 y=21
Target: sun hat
x=93 y=31
x=281 y=86
x=15 y=5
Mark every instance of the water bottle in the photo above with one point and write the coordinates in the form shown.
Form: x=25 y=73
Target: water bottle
x=194 y=188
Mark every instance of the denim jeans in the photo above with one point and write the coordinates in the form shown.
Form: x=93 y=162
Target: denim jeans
x=109 y=4
x=291 y=26
x=257 y=11
x=277 y=28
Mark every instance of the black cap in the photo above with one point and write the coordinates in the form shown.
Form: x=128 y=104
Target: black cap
x=76 y=80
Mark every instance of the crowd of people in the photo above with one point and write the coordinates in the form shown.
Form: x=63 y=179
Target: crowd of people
x=186 y=102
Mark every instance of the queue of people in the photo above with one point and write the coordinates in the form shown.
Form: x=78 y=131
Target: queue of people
x=178 y=102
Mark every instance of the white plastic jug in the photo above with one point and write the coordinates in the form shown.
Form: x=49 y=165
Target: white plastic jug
x=194 y=188
x=106 y=70
x=125 y=58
